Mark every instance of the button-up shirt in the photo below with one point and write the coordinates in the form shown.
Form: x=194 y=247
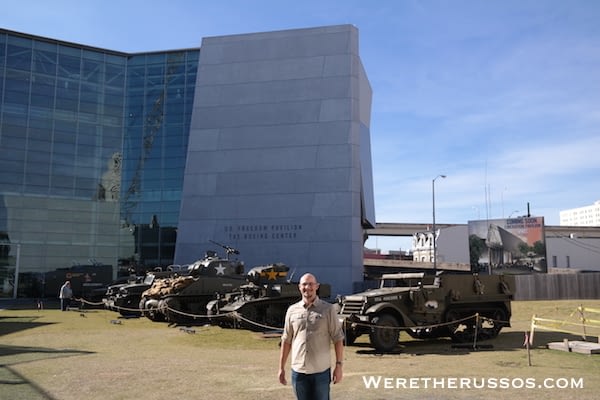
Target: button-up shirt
x=311 y=329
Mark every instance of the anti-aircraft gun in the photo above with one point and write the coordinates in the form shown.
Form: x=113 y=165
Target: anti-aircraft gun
x=262 y=302
x=462 y=307
x=183 y=299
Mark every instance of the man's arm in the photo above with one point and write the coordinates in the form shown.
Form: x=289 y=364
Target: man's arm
x=283 y=355
x=339 y=358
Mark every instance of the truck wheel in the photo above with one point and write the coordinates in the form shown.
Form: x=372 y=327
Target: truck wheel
x=461 y=329
x=384 y=339
x=492 y=324
x=350 y=337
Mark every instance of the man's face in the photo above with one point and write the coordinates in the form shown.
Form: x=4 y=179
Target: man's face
x=308 y=287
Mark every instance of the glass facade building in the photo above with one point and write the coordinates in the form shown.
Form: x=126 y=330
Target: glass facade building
x=93 y=146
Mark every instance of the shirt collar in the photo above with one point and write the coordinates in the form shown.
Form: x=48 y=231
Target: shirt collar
x=309 y=305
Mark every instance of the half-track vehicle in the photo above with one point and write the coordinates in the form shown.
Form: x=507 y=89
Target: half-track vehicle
x=261 y=303
x=462 y=307
x=183 y=299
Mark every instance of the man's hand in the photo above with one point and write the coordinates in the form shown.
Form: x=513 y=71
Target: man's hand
x=282 y=379
x=337 y=374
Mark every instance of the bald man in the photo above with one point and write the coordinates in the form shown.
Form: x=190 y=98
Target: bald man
x=311 y=325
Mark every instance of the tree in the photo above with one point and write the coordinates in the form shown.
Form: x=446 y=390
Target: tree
x=476 y=249
x=539 y=248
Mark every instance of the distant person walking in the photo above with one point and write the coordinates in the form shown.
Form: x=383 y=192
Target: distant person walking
x=311 y=325
x=66 y=294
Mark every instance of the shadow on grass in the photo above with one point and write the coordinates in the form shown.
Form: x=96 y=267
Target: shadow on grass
x=509 y=341
x=16 y=386
x=16 y=324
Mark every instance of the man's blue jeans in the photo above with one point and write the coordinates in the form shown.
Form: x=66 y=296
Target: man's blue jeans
x=311 y=386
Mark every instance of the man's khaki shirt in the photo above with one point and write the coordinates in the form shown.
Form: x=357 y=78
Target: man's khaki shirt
x=311 y=330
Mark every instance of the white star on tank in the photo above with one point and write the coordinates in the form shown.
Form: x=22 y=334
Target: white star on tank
x=220 y=269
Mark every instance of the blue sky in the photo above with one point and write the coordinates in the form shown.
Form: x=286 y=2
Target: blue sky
x=503 y=97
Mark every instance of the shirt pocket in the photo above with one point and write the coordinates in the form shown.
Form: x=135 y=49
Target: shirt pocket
x=315 y=320
x=298 y=321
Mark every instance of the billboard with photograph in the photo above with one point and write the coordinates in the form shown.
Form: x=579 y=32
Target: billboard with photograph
x=510 y=245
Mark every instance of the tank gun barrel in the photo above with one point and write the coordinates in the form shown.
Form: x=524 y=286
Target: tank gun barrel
x=228 y=249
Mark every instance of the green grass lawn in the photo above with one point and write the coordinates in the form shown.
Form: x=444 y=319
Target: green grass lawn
x=49 y=354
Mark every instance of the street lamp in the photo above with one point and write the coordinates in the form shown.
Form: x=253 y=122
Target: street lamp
x=433 y=202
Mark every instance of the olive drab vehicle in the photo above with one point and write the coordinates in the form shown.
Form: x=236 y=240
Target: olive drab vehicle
x=262 y=302
x=183 y=299
x=125 y=298
x=462 y=307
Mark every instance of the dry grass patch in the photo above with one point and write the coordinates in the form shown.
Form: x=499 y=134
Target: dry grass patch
x=63 y=355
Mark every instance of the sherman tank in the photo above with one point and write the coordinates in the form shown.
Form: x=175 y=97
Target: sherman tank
x=462 y=307
x=183 y=299
x=261 y=303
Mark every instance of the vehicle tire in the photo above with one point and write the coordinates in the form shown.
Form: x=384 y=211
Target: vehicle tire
x=150 y=310
x=382 y=336
x=429 y=333
x=459 y=330
x=491 y=326
x=350 y=338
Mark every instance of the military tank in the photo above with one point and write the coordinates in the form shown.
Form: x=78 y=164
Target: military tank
x=462 y=307
x=183 y=299
x=261 y=303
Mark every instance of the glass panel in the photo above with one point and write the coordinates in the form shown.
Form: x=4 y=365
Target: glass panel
x=38 y=160
x=16 y=97
x=44 y=62
x=11 y=176
x=62 y=181
x=35 y=179
x=92 y=55
x=11 y=142
x=67 y=89
x=12 y=167
x=40 y=145
x=64 y=148
x=18 y=56
x=116 y=60
x=69 y=66
x=115 y=76
x=42 y=101
x=69 y=51
x=17 y=81
x=40 y=122
x=92 y=71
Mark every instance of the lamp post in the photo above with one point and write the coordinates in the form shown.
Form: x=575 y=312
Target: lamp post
x=433 y=203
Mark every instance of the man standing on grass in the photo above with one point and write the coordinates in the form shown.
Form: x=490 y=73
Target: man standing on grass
x=65 y=295
x=311 y=325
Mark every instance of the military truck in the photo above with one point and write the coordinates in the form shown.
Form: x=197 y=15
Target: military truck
x=183 y=299
x=462 y=307
x=261 y=303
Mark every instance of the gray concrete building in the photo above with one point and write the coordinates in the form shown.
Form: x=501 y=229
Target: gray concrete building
x=279 y=161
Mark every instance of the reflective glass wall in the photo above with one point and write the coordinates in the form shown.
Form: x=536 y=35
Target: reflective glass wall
x=160 y=94
x=92 y=151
